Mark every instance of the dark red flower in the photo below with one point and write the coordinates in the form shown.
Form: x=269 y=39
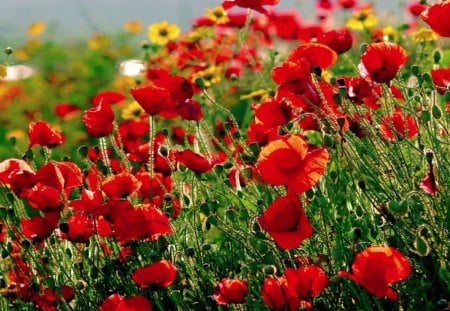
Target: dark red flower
x=60 y=175
x=378 y=266
x=10 y=165
x=347 y=4
x=286 y=222
x=339 y=40
x=230 y=291
x=256 y=5
x=415 y=8
x=428 y=183
x=289 y=161
x=110 y=303
x=286 y=24
x=278 y=296
x=42 y=134
x=315 y=53
x=398 y=125
x=99 y=119
x=441 y=79
x=436 y=16
x=158 y=274
x=79 y=228
x=381 y=61
x=152 y=185
x=91 y=202
x=194 y=161
x=153 y=99
x=110 y=97
x=39 y=228
x=273 y=112
x=120 y=186
x=44 y=198
x=308 y=281
x=117 y=302
x=189 y=109
x=66 y=111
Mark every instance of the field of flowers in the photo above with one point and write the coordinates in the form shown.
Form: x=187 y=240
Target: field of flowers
x=254 y=162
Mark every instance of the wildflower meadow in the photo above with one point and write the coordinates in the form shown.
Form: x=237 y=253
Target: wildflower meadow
x=255 y=161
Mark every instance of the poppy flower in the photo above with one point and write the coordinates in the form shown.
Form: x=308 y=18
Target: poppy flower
x=99 y=119
x=66 y=111
x=60 y=175
x=189 y=109
x=286 y=222
x=273 y=112
x=10 y=165
x=44 y=198
x=120 y=186
x=308 y=281
x=79 y=228
x=278 y=296
x=91 y=202
x=110 y=97
x=152 y=185
x=441 y=79
x=339 y=40
x=436 y=16
x=381 y=61
x=194 y=161
x=116 y=302
x=428 y=183
x=398 y=125
x=256 y=5
x=347 y=4
x=42 y=134
x=39 y=228
x=289 y=161
x=153 y=99
x=285 y=24
x=415 y=8
x=378 y=266
x=316 y=54
x=158 y=274
x=230 y=291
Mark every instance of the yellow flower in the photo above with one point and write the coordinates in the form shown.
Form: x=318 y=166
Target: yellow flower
x=36 y=28
x=132 y=111
x=327 y=75
x=218 y=15
x=200 y=33
x=98 y=41
x=210 y=75
x=362 y=19
x=258 y=95
x=3 y=71
x=19 y=134
x=133 y=26
x=163 y=32
x=390 y=33
x=424 y=35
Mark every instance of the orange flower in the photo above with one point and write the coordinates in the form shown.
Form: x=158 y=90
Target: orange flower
x=289 y=161
x=378 y=266
x=437 y=17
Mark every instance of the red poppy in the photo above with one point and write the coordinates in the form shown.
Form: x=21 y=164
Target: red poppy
x=358 y=89
x=256 y=5
x=10 y=165
x=398 y=125
x=110 y=97
x=289 y=161
x=428 y=183
x=157 y=274
x=347 y=4
x=153 y=99
x=381 y=61
x=152 y=185
x=308 y=281
x=99 y=119
x=141 y=222
x=415 y=8
x=42 y=134
x=20 y=180
x=194 y=161
x=66 y=111
x=39 y=228
x=116 y=302
x=436 y=16
x=286 y=222
x=285 y=24
x=189 y=109
x=120 y=186
x=44 y=198
x=316 y=54
x=79 y=228
x=441 y=79
x=230 y=291
x=339 y=40
x=60 y=175
x=274 y=112
x=378 y=266
x=278 y=296
x=91 y=202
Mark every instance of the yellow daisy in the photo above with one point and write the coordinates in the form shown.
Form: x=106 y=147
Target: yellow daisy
x=133 y=26
x=163 y=32
x=132 y=111
x=3 y=71
x=218 y=15
x=424 y=35
x=258 y=95
x=362 y=19
x=210 y=75
x=36 y=28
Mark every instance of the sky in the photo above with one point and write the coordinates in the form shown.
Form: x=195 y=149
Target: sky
x=74 y=18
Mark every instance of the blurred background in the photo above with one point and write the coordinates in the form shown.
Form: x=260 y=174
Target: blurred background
x=80 y=18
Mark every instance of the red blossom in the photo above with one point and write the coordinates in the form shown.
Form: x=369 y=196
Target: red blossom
x=441 y=79
x=189 y=109
x=415 y=8
x=66 y=111
x=99 y=119
x=153 y=99
x=230 y=291
x=428 y=183
x=44 y=198
x=256 y=5
x=381 y=61
x=273 y=112
x=59 y=175
x=378 y=266
x=120 y=186
x=316 y=54
x=194 y=161
x=308 y=281
x=117 y=302
x=157 y=274
x=278 y=296
x=289 y=161
x=91 y=202
x=110 y=97
x=437 y=17
x=42 y=134
x=398 y=125
x=339 y=40
x=286 y=222
x=79 y=228
x=39 y=228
